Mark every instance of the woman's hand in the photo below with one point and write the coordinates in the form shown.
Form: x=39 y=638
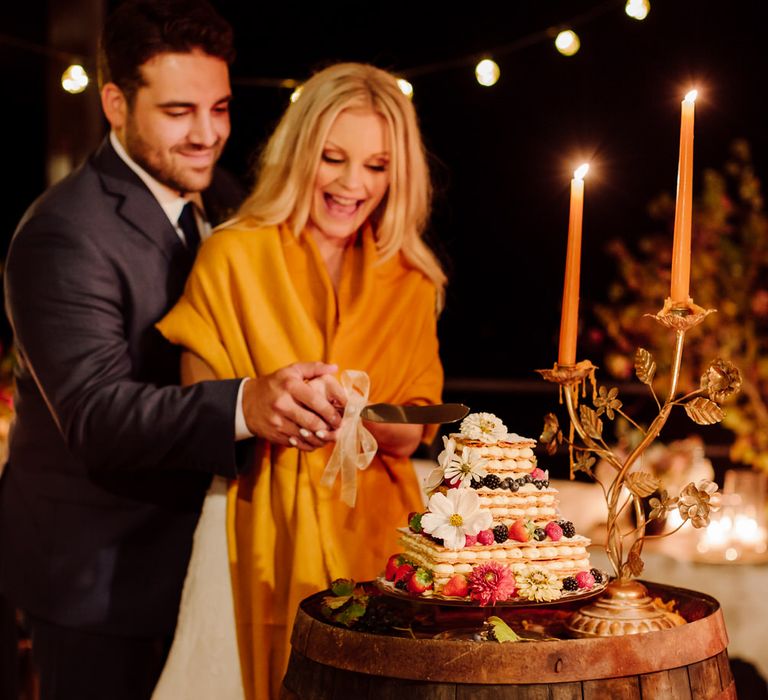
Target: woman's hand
x=397 y=440
x=299 y=406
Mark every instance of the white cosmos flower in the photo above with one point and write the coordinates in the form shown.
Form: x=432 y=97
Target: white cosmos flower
x=434 y=479
x=483 y=426
x=436 y=476
x=462 y=469
x=449 y=447
x=453 y=515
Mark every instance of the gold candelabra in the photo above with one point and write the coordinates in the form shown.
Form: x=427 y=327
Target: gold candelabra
x=625 y=607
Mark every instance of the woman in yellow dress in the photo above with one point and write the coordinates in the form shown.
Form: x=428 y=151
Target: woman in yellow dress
x=324 y=262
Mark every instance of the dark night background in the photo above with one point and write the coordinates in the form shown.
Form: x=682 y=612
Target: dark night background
x=502 y=157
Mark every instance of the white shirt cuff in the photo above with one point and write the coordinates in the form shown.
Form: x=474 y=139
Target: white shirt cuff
x=241 y=429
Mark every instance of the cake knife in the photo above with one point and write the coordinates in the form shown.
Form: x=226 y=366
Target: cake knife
x=394 y=413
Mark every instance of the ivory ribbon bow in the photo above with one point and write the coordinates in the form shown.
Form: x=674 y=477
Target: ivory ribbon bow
x=355 y=446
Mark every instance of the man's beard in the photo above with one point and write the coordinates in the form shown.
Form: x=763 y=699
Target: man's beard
x=163 y=169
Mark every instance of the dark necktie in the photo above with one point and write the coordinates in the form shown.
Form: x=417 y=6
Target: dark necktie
x=188 y=224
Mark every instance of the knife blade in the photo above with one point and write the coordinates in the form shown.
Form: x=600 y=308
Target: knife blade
x=394 y=413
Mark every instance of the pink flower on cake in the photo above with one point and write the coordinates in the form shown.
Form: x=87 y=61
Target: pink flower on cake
x=484 y=427
x=491 y=583
x=454 y=515
x=462 y=469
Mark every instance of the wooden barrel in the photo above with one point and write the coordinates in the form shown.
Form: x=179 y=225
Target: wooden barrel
x=686 y=662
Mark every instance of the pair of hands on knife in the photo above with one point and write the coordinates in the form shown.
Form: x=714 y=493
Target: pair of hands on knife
x=302 y=406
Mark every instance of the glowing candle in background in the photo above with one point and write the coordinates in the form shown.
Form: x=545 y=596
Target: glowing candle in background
x=681 y=246
x=569 y=320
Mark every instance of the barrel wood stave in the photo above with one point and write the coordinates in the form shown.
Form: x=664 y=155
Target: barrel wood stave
x=685 y=663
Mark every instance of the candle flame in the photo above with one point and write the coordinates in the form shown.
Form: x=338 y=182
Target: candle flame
x=581 y=171
x=691 y=96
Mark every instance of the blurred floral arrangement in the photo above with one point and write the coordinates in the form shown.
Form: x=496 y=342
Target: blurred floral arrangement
x=730 y=273
x=6 y=402
x=6 y=393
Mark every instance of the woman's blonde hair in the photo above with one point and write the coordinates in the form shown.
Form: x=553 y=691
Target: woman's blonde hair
x=288 y=164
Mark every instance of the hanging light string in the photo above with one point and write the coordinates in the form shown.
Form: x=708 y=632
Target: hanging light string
x=473 y=60
x=637 y=9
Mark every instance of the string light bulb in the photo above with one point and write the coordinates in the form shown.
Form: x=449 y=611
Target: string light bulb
x=74 y=79
x=637 y=9
x=487 y=72
x=405 y=87
x=567 y=42
x=296 y=93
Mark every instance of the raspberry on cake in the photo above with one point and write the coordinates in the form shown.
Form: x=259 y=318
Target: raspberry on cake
x=493 y=519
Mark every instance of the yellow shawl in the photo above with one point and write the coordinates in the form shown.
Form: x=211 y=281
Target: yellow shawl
x=258 y=300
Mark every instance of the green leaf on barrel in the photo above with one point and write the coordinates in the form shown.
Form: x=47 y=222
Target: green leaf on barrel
x=592 y=424
x=343 y=586
x=501 y=631
x=335 y=602
x=642 y=484
x=645 y=366
x=352 y=613
x=703 y=411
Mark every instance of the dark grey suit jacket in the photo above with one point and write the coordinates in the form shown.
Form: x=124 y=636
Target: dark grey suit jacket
x=109 y=457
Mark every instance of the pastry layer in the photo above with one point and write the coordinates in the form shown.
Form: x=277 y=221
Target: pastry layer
x=506 y=507
x=565 y=557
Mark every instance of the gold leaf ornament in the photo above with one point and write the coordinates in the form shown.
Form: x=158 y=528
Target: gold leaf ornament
x=584 y=463
x=696 y=501
x=591 y=422
x=645 y=366
x=607 y=402
x=721 y=380
x=551 y=436
x=703 y=411
x=642 y=484
x=634 y=560
x=660 y=505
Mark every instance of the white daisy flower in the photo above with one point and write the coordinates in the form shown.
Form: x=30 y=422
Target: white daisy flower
x=454 y=515
x=464 y=468
x=483 y=426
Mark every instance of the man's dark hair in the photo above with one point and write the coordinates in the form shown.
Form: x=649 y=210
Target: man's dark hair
x=140 y=29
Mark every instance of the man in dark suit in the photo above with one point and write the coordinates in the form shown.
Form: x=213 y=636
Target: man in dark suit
x=109 y=457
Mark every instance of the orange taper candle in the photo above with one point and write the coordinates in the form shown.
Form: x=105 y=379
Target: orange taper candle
x=681 y=246
x=569 y=320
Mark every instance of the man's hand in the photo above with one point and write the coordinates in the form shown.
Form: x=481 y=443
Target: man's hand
x=299 y=406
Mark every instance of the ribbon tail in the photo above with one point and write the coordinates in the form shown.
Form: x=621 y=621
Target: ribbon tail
x=355 y=446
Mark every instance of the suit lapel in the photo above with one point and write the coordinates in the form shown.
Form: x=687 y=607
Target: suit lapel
x=136 y=204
